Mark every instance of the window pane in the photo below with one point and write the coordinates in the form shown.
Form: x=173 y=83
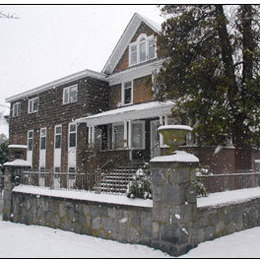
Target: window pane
x=133 y=50
x=128 y=93
x=72 y=141
x=30 y=134
x=43 y=143
x=58 y=141
x=66 y=96
x=151 y=51
x=119 y=136
x=35 y=104
x=137 y=135
x=73 y=94
x=73 y=128
x=58 y=130
x=30 y=141
x=142 y=51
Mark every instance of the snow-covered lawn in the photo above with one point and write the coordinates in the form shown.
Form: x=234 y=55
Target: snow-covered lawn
x=18 y=240
x=22 y=241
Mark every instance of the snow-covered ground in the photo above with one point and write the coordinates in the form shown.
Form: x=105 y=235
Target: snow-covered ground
x=18 y=240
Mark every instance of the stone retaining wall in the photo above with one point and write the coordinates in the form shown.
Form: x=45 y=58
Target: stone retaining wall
x=111 y=221
x=214 y=222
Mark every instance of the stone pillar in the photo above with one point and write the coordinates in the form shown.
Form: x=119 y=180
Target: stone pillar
x=174 y=202
x=12 y=177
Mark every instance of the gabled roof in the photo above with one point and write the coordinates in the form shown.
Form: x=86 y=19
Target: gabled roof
x=58 y=82
x=125 y=39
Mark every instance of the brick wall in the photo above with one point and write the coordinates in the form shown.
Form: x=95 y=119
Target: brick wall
x=92 y=98
x=142 y=92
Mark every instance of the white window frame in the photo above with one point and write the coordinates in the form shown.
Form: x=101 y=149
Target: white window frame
x=69 y=101
x=113 y=135
x=16 y=109
x=30 y=107
x=123 y=93
x=41 y=136
x=71 y=132
x=55 y=136
x=137 y=44
x=29 y=138
x=137 y=122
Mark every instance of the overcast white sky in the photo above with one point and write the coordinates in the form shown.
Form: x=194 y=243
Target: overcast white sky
x=50 y=42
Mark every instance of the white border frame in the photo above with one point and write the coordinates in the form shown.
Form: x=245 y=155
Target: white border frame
x=142 y=122
x=69 y=88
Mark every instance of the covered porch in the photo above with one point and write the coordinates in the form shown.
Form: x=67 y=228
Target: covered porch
x=130 y=129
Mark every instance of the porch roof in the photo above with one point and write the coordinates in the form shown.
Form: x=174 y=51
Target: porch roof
x=133 y=112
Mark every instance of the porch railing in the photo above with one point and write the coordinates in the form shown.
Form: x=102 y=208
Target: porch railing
x=58 y=180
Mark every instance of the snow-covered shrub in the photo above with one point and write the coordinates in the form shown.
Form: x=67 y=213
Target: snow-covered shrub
x=200 y=189
x=140 y=186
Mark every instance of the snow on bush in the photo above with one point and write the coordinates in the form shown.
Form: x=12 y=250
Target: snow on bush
x=140 y=186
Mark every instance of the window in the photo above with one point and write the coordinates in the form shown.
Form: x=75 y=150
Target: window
x=43 y=139
x=72 y=135
x=17 y=109
x=33 y=105
x=133 y=56
x=70 y=94
x=30 y=140
x=138 y=135
x=151 y=48
x=118 y=136
x=127 y=93
x=58 y=136
x=142 y=50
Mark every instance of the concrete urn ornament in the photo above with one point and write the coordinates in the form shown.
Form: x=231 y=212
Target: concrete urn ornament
x=174 y=135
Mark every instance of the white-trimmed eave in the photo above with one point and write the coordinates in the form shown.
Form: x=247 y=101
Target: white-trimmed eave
x=134 y=112
x=57 y=83
x=124 y=41
x=135 y=72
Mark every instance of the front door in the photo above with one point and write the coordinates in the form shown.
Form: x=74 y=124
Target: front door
x=155 y=139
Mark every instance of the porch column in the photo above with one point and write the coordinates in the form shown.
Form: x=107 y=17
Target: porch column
x=93 y=135
x=125 y=134
x=130 y=140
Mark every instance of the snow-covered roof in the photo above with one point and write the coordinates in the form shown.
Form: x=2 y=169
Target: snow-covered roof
x=125 y=39
x=133 y=112
x=18 y=162
x=58 y=82
x=179 y=156
x=17 y=146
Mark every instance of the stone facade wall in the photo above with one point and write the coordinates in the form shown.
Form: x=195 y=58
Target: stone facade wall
x=111 y=221
x=214 y=222
x=92 y=99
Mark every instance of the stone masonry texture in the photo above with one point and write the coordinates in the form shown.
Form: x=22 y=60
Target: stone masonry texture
x=110 y=221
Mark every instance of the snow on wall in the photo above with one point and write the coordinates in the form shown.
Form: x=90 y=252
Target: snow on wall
x=84 y=195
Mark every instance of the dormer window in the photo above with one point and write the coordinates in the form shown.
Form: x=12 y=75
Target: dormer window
x=33 y=105
x=142 y=50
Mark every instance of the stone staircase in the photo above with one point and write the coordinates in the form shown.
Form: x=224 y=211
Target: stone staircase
x=117 y=180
